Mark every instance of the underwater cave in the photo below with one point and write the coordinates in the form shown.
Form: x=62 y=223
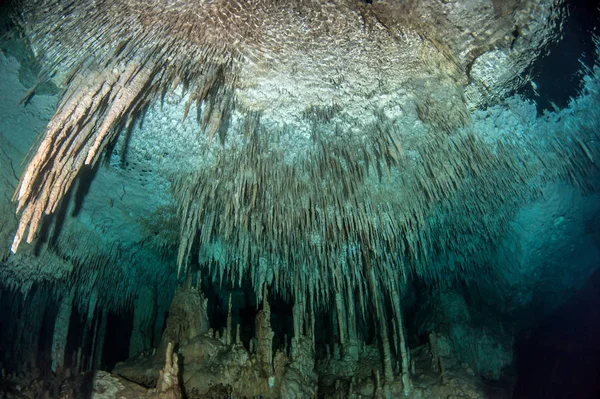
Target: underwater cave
x=299 y=199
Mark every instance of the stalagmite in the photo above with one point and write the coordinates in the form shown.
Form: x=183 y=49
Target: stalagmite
x=437 y=360
x=229 y=332
x=168 y=381
x=187 y=319
x=61 y=330
x=264 y=335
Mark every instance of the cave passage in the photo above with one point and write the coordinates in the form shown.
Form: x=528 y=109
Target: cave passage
x=560 y=357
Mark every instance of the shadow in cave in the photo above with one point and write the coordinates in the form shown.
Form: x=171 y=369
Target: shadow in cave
x=86 y=389
x=561 y=357
x=180 y=365
x=126 y=131
x=52 y=225
x=84 y=181
x=118 y=335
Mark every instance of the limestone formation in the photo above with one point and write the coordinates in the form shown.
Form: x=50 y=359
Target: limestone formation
x=285 y=198
x=61 y=329
x=143 y=321
x=168 y=380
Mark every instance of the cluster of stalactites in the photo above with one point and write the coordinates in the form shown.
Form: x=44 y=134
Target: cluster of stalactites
x=343 y=230
x=301 y=353
x=348 y=343
x=123 y=55
x=321 y=225
x=109 y=84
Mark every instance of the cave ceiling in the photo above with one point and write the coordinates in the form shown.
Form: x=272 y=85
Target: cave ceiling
x=317 y=149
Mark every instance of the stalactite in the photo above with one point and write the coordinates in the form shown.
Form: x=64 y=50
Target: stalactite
x=393 y=237
x=163 y=298
x=383 y=330
x=144 y=315
x=99 y=347
x=405 y=355
x=311 y=321
x=399 y=338
x=351 y=315
x=78 y=361
x=88 y=332
x=90 y=365
x=61 y=330
x=387 y=356
x=341 y=317
x=32 y=315
x=69 y=143
x=298 y=318
x=17 y=330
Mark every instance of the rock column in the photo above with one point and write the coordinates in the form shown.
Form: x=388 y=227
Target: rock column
x=61 y=330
